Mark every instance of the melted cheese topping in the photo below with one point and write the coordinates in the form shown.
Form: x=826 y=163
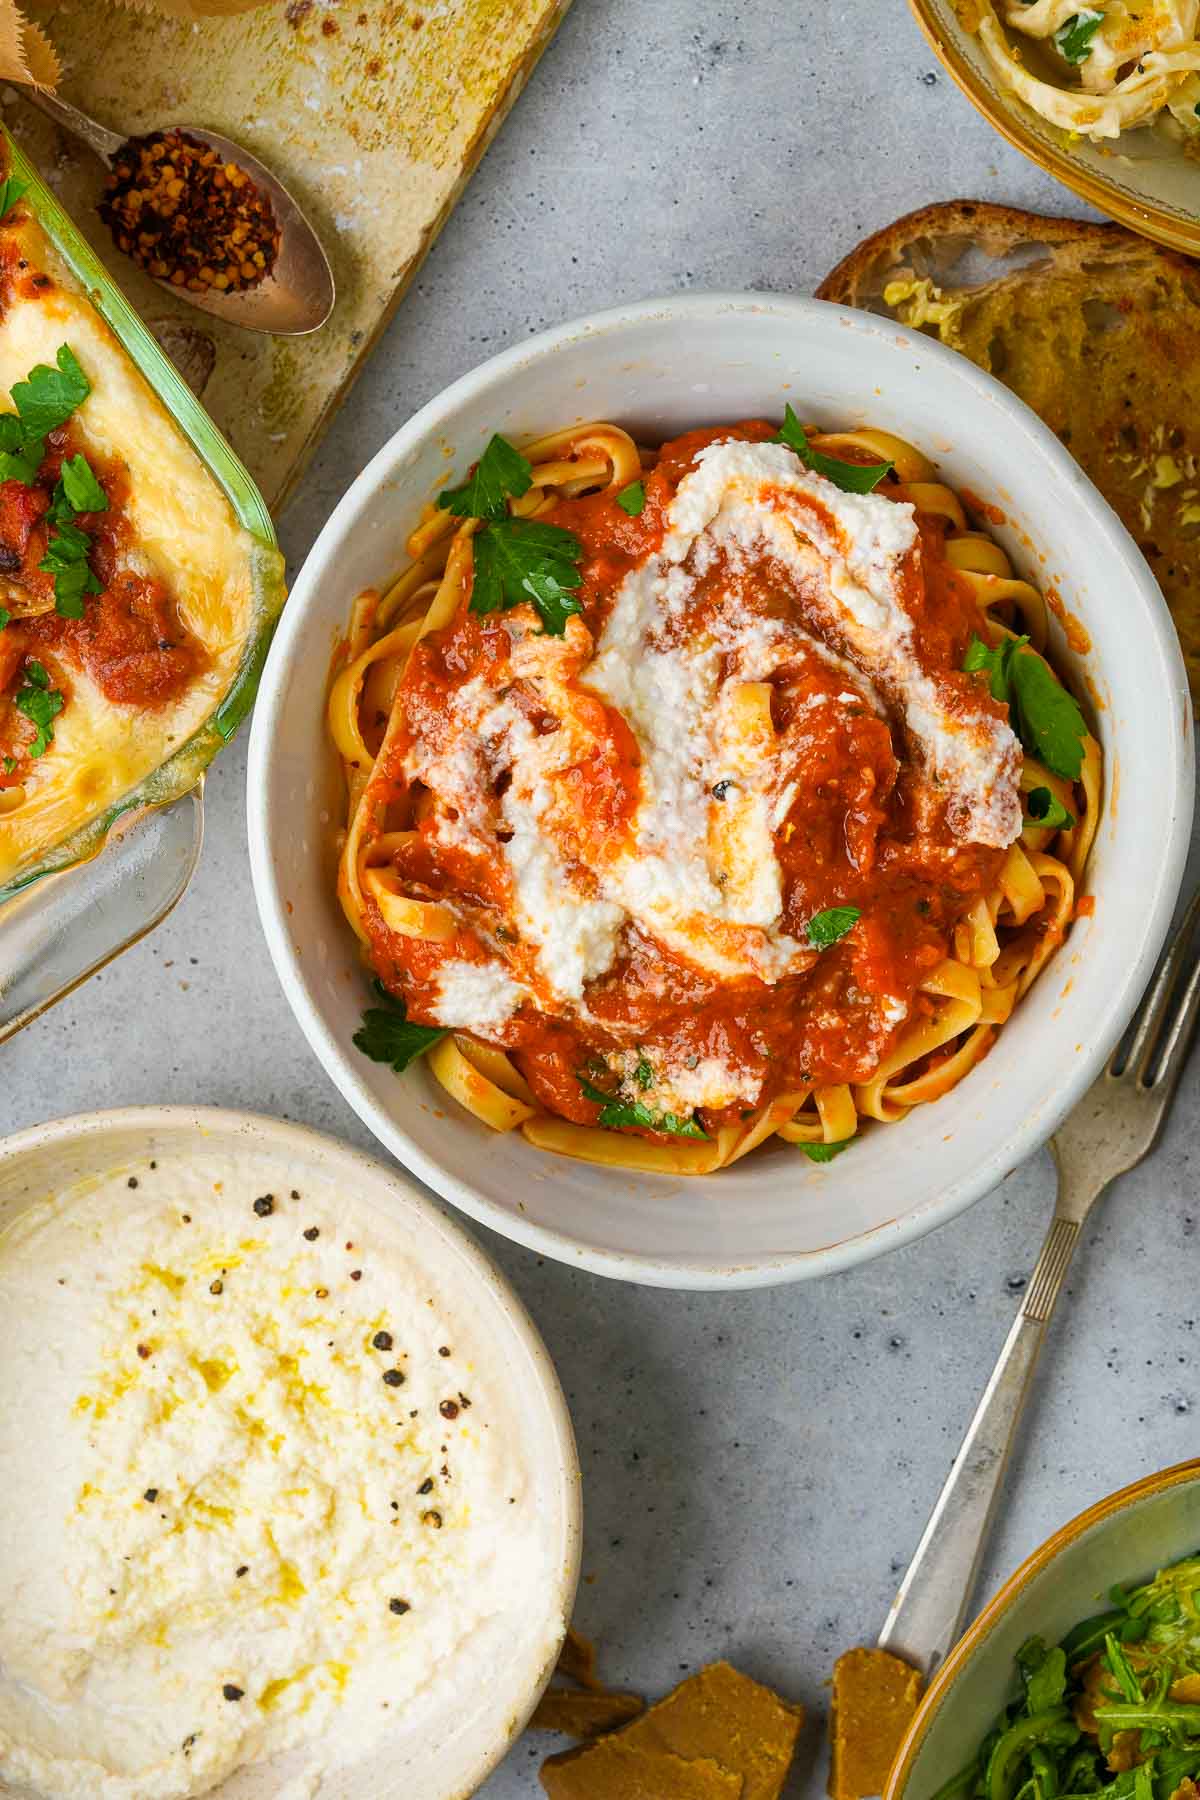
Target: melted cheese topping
x=681 y=668
x=183 y=530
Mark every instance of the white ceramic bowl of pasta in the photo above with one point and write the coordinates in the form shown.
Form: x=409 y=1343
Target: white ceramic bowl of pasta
x=660 y=368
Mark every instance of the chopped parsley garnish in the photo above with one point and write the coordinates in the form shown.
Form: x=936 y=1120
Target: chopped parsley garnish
x=825 y=928
x=80 y=489
x=386 y=1034
x=501 y=474
x=524 y=559
x=823 y=1153
x=11 y=190
x=643 y=1074
x=516 y=560
x=41 y=705
x=852 y=478
x=632 y=499
x=5 y=616
x=45 y=400
x=47 y=397
x=615 y=1112
x=1045 y=716
x=1073 y=39
x=66 y=559
x=1047 y=810
x=10 y=763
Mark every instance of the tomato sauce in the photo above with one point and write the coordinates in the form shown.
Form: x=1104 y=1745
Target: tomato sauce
x=852 y=836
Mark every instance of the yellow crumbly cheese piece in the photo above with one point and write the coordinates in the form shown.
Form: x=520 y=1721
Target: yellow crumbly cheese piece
x=875 y=1695
x=717 y=1722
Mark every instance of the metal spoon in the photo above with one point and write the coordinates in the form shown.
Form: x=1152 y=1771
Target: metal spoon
x=296 y=297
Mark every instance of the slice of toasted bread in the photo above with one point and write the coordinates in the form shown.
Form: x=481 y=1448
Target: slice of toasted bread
x=1097 y=329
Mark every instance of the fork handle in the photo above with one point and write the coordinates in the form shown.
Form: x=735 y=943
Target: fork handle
x=928 y=1612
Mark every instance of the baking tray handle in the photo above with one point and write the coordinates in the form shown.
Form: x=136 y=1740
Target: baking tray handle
x=62 y=929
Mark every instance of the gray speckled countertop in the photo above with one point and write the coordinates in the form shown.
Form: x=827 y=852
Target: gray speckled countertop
x=759 y=1467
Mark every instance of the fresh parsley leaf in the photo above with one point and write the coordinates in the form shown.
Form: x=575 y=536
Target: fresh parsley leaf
x=631 y=499
x=10 y=763
x=386 y=1035
x=1047 y=810
x=643 y=1074
x=5 y=616
x=823 y=1153
x=1048 y=720
x=852 y=478
x=523 y=559
x=41 y=705
x=501 y=474
x=825 y=928
x=1073 y=39
x=11 y=190
x=80 y=488
x=47 y=397
x=1045 y=716
x=997 y=660
x=66 y=559
x=20 y=456
x=615 y=1112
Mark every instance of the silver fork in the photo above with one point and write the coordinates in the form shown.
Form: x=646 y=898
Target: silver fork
x=1110 y=1130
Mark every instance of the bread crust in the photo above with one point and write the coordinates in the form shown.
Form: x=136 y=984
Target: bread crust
x=997 y=230
x=1096 y=328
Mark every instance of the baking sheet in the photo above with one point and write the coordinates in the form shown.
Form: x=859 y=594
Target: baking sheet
x=372 y=112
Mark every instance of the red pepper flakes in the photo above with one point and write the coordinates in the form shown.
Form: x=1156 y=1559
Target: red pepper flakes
x=187 y=217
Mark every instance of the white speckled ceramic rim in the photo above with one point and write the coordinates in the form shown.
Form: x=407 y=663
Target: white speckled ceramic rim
x=92 y=1143
x=713 y=356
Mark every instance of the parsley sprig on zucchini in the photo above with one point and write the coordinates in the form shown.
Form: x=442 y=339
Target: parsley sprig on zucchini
x=1130 y=1673
x=44 y=402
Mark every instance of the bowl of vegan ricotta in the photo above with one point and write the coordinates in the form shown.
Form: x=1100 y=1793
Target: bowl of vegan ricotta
x=291 y=1499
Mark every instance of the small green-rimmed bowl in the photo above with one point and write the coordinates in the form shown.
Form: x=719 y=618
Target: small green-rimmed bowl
x=1121 y=1539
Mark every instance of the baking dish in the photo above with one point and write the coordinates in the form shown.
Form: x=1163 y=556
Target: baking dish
x=74 y=909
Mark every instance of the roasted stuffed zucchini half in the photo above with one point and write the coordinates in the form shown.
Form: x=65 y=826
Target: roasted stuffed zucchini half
x=140 y=579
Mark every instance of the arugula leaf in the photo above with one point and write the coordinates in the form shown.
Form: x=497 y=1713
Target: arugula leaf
x=501 y=474
x=616 y=1112
x=523 y=559
x=1119 y=1666
x=41 y=705
x=632 y=499
x=387 y=1036
x=1044 y=715
x=823 y=1153
x=1073 y=39
x=852 y=478
x=1048 y=811
x=47 y=397
x=66 y=559
x=11 y=190
x=825 y=928
x=80 y=488
x=1044 y=1673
